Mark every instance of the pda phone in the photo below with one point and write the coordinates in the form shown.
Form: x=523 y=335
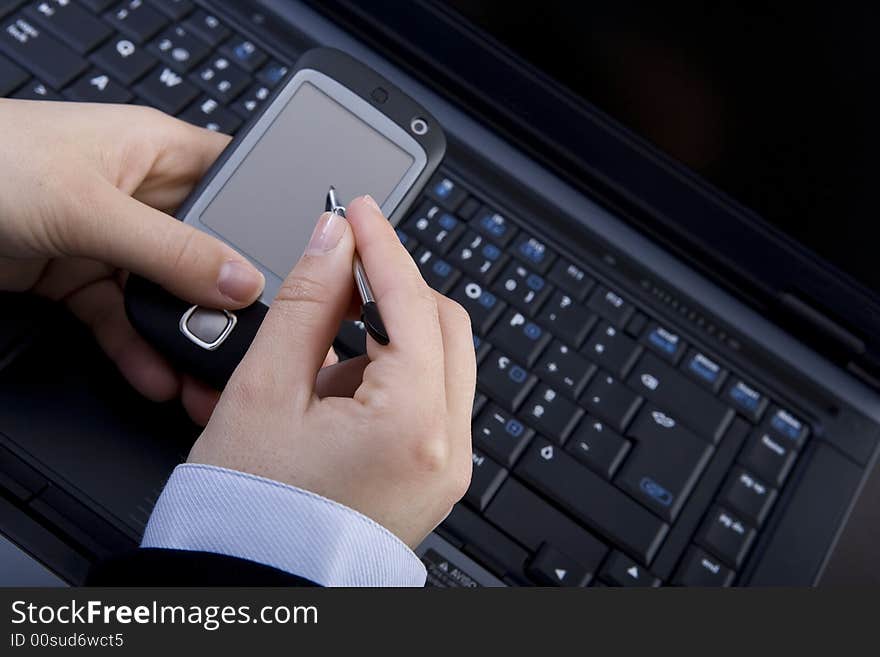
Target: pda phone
x=332 y=122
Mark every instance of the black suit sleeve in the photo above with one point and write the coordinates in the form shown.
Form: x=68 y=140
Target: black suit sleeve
x=158 y=567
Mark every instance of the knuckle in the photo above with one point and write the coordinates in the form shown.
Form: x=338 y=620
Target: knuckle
x=431 y=454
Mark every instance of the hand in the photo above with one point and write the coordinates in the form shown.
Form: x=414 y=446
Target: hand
x=388 y=434
x=83 y=198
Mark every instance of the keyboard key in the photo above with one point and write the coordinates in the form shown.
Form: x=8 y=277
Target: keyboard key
x=620 y=570
x=487 y=477
x=40 y=53
x=97 y=87
x=174 y=9
x=747 y=496
x=434 y=227
x=251 y=100
x=612 y=350
x=208 y=27
x=136 y=20
x=726 y=536
x=97 y=6
x=699 y=568
x=665 y=463
x=636 y=324
x=551 y=414
x=11 y=76
x=482 y=306
x=480 y=401
x=783 y=424
x=469 y=208
x=124 y=60
x=565 y=369
x=533 y=252
x=522 y=287
x=567 y=319
x=704 y=370
x=745 y=399
x=178 y=48
x=494 y=226
x=166 y=89
x=209 y=113
x=768 y=457
x=446 y=192
x=244 y=53
x=72 y=24
x=551 y=567
x=220 y=78
x=481 y=348
x=407 y=240
x=500 y=435
x=691 y=404
x=477 y=256
x=571 y=278
x=592 y=500
x=36 y=90
x=272 y=73
x=534 y=523
x=611 y=306
x=665 y=343
x=8 y=6
x=486 y=544
x=438 y=273
x=598 y=447
x=520 y=336
x=611 y=401
x=506 y=382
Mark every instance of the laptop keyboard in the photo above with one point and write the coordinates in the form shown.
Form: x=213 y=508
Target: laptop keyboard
x=607 y=449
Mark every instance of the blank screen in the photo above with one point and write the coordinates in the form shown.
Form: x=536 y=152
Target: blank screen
x=270 y=204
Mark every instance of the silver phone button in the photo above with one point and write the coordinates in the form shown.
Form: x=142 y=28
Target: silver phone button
x=207 y=327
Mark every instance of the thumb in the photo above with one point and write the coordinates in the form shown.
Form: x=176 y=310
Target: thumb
x=190 y=264
x=300 y=326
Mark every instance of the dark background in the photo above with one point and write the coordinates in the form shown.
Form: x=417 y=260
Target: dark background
x=773 y=104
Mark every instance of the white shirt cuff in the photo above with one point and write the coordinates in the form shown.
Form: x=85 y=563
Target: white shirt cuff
x=211 y=509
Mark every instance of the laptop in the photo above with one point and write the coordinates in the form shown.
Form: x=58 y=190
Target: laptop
x=651 y=215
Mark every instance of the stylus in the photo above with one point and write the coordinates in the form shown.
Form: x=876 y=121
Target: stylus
x=369 y=310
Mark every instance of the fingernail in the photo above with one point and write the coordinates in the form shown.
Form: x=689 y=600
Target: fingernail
x=239 y=281
x=372 y=203
x=330 y=229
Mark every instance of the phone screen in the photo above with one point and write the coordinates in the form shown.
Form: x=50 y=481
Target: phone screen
x=268 y=206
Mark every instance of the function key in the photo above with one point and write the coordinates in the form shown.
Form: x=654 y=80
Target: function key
x=726 y=536
x=551 y=567
x=482 y=306
x=704 y=370
x=174 y=9
x=486 y=478
x=620 y=570
x=566 y=318
x=611 y=306
x=494 y=226
x=136 y=20
x=446 y=192
x=477 y=256
x=565 y=368
x=220 y=78
x=664 y=342
x=748 y=496
x=522 y=287
x=612 y=350
x=533 y=252
x=272 y=73
x=571 y=278
x=36 y=90
x=97 y=87
x=438 y=273
x=501 y=435
x=179 y=48
x=785 y=425
x=611 y=401
x=40 y=52
x=251 y=100
x=244 y=53
x=124 y=60
x=208 y=27
x=699 y=568
x=598 y=447
x=210 y=114
x=521 y=336
x=72 y=24
x=434 y=227
x=553 y=415
x=505 y=381
x=768 y=457
x=745 y=399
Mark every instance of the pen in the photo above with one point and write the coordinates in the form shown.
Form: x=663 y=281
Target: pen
x=369 y=310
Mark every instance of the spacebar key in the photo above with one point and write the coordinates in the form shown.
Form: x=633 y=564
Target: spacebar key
x=592 y=500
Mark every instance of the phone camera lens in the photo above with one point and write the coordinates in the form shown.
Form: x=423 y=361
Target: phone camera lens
x=379 y=95
x=419 y=126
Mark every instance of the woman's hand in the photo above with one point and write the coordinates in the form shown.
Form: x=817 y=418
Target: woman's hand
x=83 y=198
x=388 y=434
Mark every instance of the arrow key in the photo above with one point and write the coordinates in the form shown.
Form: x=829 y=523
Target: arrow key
x=620 y=570
x=550 y=567
x=97 y=87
